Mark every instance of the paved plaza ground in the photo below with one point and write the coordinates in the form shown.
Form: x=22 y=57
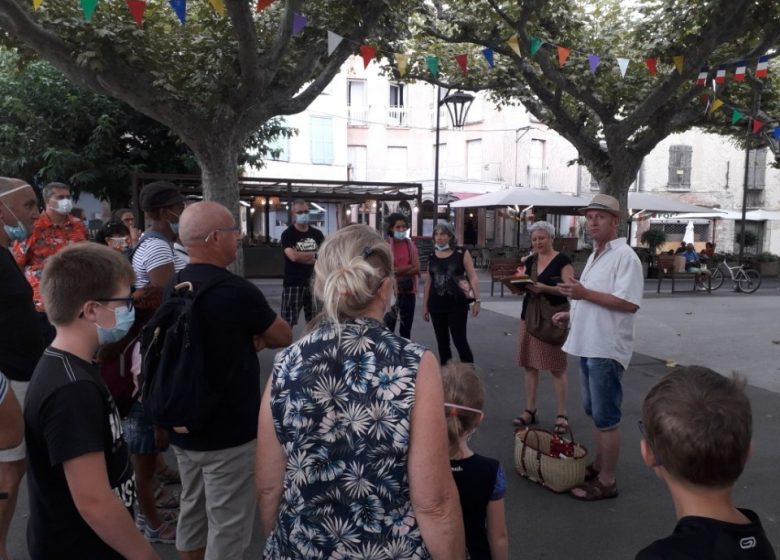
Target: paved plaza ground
x=724 y=330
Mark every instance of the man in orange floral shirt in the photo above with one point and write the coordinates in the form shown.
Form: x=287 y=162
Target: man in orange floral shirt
x=54 y=230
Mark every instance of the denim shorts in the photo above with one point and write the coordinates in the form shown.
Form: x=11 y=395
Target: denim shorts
x=139 y=430
x=602 y=393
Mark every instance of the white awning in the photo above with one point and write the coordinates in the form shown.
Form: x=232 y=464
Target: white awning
x=652 y=203
x=524 y=197
x=763 y=215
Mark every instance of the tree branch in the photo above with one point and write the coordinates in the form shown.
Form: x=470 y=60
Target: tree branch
x=246 y=37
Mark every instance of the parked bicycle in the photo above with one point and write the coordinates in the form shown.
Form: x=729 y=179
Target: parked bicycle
x=745 y=280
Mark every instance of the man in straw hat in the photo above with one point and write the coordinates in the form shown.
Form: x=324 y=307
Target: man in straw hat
x=603 y=311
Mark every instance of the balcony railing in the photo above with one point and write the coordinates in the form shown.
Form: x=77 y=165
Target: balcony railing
x=398 y=116
x=357 y=115
x=537 y=177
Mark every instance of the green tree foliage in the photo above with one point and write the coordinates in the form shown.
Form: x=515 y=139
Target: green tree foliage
x=52 y=130
x=213 y=81
x=613 y=122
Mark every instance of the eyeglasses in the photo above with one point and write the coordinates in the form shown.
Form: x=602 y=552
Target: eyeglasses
x=235 y=230
x=127 y=300
x=641 y=426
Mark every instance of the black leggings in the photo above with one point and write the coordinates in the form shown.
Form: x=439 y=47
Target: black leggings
x=404 y=308
x=453 y=323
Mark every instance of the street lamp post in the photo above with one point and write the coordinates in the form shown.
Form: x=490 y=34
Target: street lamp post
x=458 y=105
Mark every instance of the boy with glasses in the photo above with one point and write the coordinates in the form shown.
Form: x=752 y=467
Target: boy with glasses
x=80 y=482
x=696 y=427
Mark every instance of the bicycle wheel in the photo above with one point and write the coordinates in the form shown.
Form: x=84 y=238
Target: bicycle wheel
x=717 y=279
x=749 y=280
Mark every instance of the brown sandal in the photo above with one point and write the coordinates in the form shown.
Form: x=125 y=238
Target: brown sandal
x=561 y=426
x=595 y=490
x=521 y=422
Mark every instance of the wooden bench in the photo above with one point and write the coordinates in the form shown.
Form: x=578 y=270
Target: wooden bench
x=502 y=268
x=667 y=269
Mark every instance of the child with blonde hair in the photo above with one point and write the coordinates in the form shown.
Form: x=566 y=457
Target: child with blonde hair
x=480 y=480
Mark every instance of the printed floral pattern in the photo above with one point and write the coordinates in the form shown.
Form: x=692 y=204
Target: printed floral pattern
x=341 y=410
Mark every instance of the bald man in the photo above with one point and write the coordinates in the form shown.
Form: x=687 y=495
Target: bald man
x=21 y=343
x=217 y=465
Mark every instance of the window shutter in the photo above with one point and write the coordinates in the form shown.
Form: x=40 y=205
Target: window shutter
x=680 y=157
x=756 y=169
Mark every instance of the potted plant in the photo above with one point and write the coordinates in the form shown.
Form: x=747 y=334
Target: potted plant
x=750 y=238
x=653 y=238
x=768 y=264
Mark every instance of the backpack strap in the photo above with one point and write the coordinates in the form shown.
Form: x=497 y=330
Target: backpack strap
x=149 y=234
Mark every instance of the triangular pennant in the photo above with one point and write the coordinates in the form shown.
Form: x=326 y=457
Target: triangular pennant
x=137 y=8
x=536 y=44
x=219 y=6
x=367 y=52
x=402 y=61
x=720 y=75
x=299 y=22
x=701 y=79
x=623 y=65
x=776 y=133
x=563 y=54
x=463 y=62
x=433 y=64
x=263 y=4
x=180 y=7
x=716 y=104
x=514 y=44
x=736 y=116
x=652 y=65
x=88 y=7
x=487 y=52
x=762 y=68
x=334 y=40
x=593 y=61
x=757 y=126
x=37 y=4
x=679 y=60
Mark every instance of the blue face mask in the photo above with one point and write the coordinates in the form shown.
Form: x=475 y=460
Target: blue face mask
x=442 y=247
x=399 y=235
x=19 y=231
x=302 y=219
x=124 y=319
x=175 y=229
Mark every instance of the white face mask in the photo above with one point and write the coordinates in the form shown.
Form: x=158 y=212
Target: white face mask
x=63 y=206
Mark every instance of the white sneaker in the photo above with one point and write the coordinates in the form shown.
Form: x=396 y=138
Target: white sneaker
x=165 y=533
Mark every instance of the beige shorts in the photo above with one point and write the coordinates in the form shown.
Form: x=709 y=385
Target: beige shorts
x=217 y=501
x=20 y=451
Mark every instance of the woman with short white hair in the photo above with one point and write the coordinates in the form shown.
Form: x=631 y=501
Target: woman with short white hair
x=549 y=267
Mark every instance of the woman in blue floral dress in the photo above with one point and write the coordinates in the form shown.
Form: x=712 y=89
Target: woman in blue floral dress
x=352 y=455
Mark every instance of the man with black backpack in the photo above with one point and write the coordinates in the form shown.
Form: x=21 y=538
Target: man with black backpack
x=202 y=381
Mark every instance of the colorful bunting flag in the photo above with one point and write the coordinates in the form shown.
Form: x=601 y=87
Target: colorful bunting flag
x=367 y=52
x=720 y=75
x=736 y=116
x=593 y=61
x=716 y=104
x=536 y=44
x=299 y=22
x=433 y=64
x=37 y=4
x=563 y=54
x=757 y=126
x=623 y=65
x=180 y=7
x=334 y=40
x=402 y=61
x=219 y=6
x=739 y=73
x=652 y=65
x=488 y=54
x=702 y=79
x=776 y=133
x=762 y=68
x=88 y=7
x=137 y=8
x=678 y=63
x=463 y=62
x=514 y=44
x=263 y=4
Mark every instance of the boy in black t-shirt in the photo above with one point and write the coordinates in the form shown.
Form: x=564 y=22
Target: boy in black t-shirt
x=80 y=482
x=697 y=427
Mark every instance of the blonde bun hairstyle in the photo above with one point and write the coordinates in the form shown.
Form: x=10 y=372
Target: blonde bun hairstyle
x=351 y=265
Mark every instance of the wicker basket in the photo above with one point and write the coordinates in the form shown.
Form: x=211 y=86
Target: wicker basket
x=534 y=461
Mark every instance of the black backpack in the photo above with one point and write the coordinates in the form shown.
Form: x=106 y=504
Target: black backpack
x=176 y=389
